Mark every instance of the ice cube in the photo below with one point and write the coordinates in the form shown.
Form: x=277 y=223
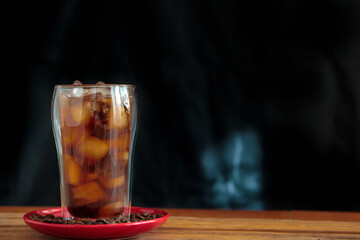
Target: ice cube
x=93 y=148
x=77 y=92
x=72 y=170
x=92 y=176
x=77 y=83
x=89 y=193
x=119 y=145
x=113 y=182
x=71 y=135
x=79 y=111
x=125 y=97
x=119 y=117
x=123 y=156
x=99 y=91
x=111 y=210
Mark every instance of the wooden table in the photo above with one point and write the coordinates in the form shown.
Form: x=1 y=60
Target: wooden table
x=220 y=224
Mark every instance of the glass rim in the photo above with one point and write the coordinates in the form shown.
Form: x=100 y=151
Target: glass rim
x=94 y=85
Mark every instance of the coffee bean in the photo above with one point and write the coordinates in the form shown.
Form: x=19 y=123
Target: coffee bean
x=102 y=220
x=79 y=222
x=134 y=217
x=124 y=220
x=47 y=219
x=58 y=220
x=72 y=221
x=111 y=221
x=34 y=217
x=87 y=221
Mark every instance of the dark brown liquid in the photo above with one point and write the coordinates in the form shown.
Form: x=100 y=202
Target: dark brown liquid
x=95 y=133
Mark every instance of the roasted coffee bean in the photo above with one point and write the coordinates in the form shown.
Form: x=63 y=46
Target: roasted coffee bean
x=38 y=215
x=87 y=221
x=79 y=222
x=124 y=220
x=111 y=221
x=72 y=221
x=103 y=220
x=58 y=220
x=139 y=216
x=47 y=219
x=49 y=216
x=135 y=217
x=121 y=219
x=98 y=223
x=35 y=217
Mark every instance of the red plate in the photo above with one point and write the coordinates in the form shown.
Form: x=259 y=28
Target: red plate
x=110 y=231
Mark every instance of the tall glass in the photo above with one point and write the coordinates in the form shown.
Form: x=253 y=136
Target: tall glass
x=94 y=128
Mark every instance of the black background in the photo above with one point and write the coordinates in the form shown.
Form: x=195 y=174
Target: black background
x=242 y=104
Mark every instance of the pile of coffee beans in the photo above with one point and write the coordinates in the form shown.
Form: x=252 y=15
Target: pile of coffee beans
x=134 y=217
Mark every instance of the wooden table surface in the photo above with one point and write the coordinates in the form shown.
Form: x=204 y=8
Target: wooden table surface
x=220 y=224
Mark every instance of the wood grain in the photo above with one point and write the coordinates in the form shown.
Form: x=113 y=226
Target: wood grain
x=326 y=216
x=12 y=226
x=21 y=209
x=209 y=213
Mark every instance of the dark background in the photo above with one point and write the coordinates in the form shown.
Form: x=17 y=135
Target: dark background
x=242 y=104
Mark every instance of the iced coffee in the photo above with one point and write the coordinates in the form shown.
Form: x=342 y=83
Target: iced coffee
x=94 y=127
